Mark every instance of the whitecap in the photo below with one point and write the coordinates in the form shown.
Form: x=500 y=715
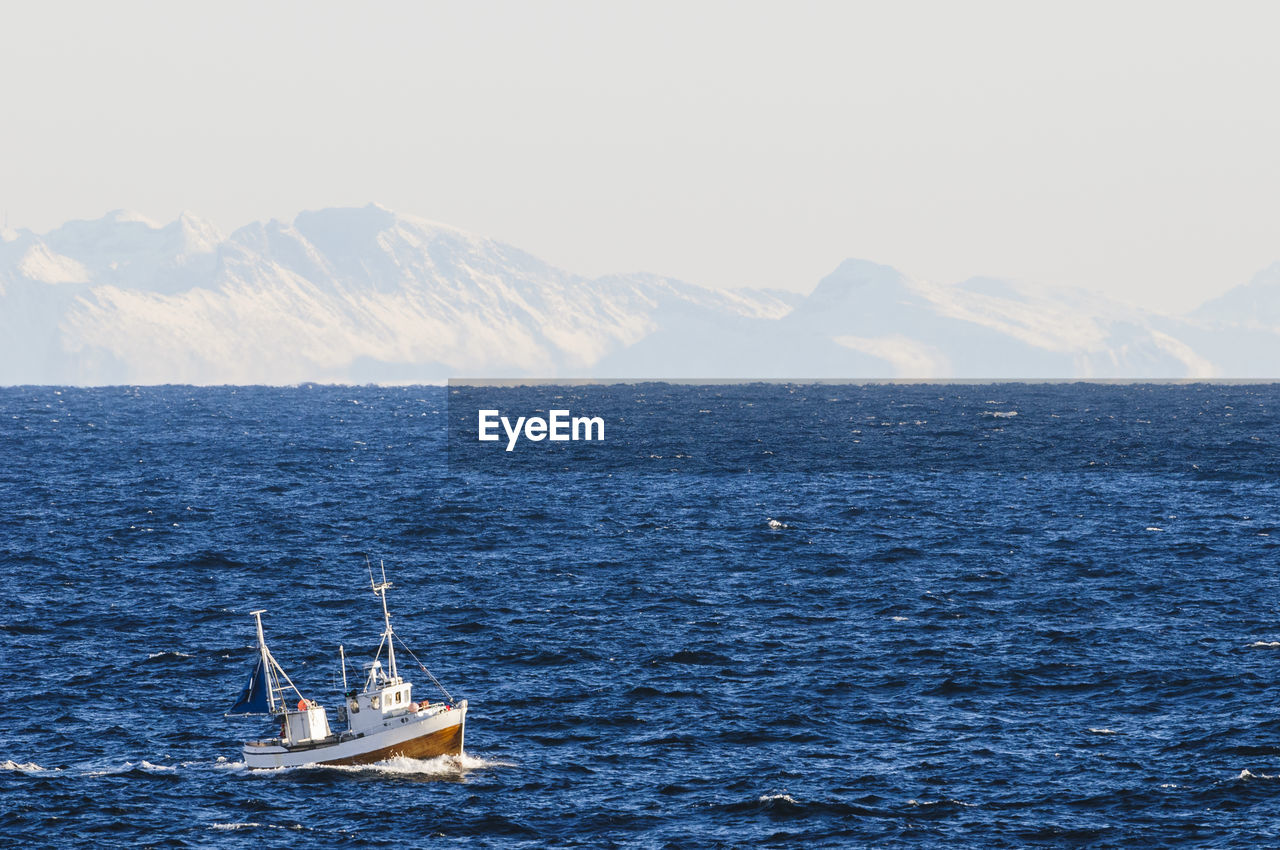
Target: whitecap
x=1264 y=643
x=1154 y=528
x=773 y=523
x=253 y=825
x=950 y=800
x=1247 y=774
x=146 y=765
x=1102 y=730
x=775 y=799
x=168 y=653
x=899 y=619
x=22 y=767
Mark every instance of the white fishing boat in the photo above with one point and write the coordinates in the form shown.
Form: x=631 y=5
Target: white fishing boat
x=382 y=719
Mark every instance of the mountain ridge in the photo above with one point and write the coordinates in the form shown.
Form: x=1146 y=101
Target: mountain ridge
x=364 y=294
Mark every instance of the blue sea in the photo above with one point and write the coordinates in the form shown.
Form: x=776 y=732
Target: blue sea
x=837 y=615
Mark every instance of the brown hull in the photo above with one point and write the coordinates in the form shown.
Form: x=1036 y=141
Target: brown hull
x=442 y=742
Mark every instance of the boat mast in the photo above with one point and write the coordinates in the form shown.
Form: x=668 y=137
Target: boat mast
x=266 y=659
x=381 y=590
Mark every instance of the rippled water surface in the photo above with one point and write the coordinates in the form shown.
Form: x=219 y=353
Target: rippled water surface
x=1000 y=615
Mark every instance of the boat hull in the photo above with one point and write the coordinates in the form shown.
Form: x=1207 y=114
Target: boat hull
x=440 y=734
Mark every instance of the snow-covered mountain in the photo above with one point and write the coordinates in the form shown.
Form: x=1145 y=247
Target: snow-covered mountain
x=336 y=295
x=366 y=295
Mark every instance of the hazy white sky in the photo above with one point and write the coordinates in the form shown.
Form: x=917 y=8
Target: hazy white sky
x=1124 y=147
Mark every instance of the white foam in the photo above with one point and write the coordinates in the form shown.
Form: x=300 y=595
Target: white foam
x=438 y=766
x=773 y=523
x=23 y=767
x=950 y=800
x=1264 y=643
x=774 y=799
x=899 y=619
x=400 y=766
x=1103 y=731
x=169 y=653
x=1154 y=528
x=1249 y=774
x=253 y=825
x=130 y=765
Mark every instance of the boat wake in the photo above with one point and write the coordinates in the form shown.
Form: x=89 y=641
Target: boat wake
x=131 y=766
x=442 y=766
x=447 y=765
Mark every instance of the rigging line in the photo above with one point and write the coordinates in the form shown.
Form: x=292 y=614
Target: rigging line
x=280 y=671
x=425 y=670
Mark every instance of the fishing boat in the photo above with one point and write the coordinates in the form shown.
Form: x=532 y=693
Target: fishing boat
x=382 y=719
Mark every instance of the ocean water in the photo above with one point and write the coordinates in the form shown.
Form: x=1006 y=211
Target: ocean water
x=835 y=615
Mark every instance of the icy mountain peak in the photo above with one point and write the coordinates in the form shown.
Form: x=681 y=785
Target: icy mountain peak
x=196 y=235
x=1256 y=304
x=859 y=286
x=127 y=217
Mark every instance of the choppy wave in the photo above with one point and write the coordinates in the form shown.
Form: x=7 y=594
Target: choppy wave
x=977 y=637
